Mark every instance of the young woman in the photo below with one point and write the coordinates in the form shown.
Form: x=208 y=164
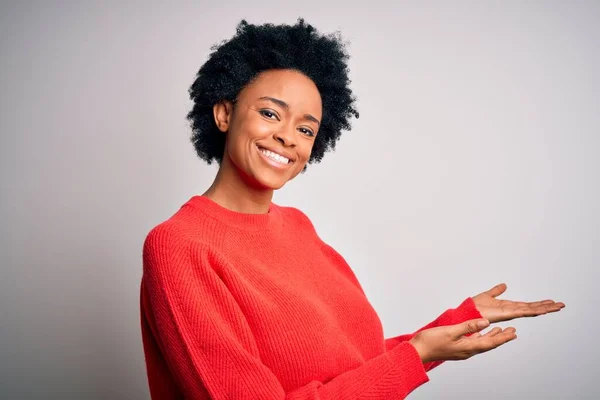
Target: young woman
x=240 y=298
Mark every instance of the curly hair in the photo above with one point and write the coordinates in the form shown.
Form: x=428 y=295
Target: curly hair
x=234 y=63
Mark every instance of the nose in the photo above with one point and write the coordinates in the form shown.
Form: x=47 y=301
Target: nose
x=286 y=136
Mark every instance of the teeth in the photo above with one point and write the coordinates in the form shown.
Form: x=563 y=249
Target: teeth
x=275 y=156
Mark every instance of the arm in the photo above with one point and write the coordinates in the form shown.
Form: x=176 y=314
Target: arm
x=210 y=348
x=464 y=312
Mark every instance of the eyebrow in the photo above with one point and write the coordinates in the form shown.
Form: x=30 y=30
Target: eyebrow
x=287 y=106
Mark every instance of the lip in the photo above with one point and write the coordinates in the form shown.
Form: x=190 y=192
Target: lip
x=280 y=152
x=273 y=162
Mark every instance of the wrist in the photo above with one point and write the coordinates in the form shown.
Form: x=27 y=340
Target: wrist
x=419 y=348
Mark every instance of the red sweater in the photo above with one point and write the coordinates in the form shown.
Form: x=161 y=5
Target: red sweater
x=257 y=306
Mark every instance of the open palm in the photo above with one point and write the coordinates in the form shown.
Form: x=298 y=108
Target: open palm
x=495 y=310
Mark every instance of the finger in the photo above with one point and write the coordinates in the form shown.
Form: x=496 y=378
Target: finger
x=553 y=307
x=490 y=333
x=509 y=304
x=469 y=327
x=497 y=290
x=539 y=303
x=493 y=332
x=489 y=343
x=536 y=311
x=551 y=303
x=506 y=335
x=512 y=311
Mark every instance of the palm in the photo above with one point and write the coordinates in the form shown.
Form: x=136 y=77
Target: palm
x=495 y=310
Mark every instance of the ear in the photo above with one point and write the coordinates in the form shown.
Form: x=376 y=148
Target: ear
x=222 y=112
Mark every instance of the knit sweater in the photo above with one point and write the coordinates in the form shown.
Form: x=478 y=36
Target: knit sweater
x=257 y=306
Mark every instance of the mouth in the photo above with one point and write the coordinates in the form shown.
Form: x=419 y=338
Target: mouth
x=274 y=158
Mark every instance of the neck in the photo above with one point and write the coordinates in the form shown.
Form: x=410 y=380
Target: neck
x=231 y=191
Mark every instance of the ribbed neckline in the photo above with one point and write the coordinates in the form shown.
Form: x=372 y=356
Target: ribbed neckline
x=237 y=219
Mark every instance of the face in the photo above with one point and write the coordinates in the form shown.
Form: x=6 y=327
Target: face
x=271 y=128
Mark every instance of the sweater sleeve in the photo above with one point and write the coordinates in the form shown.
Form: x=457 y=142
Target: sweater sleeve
x=464 y=312
x=210 y=349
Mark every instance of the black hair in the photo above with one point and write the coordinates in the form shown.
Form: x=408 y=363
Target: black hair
x=256 y=48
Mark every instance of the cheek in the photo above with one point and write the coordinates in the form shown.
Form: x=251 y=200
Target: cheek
x=255 y=128
x=304 y=152
x=241 y=136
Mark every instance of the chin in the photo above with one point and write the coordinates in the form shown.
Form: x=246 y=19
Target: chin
x=268 y=179
x=271 y=184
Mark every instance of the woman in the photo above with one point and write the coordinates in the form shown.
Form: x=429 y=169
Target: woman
x=240 y=298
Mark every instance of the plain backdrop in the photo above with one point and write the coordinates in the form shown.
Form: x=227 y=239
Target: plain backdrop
x=474 y=162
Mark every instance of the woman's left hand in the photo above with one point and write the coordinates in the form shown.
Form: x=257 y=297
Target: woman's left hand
x=495 y=310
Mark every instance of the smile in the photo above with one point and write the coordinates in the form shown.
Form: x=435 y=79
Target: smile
x=272 y=156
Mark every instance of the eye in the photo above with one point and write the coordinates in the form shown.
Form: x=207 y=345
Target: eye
x=306 y=131
x=269 y=114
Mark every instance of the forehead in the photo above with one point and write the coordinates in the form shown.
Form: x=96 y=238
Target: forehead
x=293 y=87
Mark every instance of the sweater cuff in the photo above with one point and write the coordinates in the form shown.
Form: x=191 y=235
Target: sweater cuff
x=464 y=312
x=467 y=310
x=408 y=367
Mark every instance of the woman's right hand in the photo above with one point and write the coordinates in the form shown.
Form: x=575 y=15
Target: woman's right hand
x=450 y=343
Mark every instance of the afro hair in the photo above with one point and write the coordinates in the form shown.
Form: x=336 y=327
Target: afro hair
x=234 y=63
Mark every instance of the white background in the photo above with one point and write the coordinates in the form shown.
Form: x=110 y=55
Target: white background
x=474 y=162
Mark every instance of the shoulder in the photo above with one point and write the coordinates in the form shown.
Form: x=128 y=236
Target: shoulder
x=302 y=220
x=173 y=258
x=164 y=236
x=337 y=260
x=166 y=249
x=302 y=224
x=186 y=225
x=181 y=239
